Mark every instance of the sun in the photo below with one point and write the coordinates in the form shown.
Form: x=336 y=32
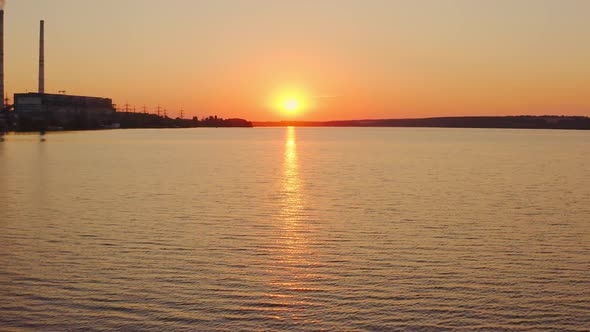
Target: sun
x=290 y=102
x=291 y=105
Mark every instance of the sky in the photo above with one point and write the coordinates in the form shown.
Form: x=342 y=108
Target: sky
x=339 y=59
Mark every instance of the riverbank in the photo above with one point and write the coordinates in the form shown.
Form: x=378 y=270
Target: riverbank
x=515 y=122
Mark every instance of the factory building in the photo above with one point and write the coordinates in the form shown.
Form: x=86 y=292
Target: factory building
x=42 y=111
x=69 y=112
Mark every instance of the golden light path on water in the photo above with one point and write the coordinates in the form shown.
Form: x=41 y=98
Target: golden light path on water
x=293 y=279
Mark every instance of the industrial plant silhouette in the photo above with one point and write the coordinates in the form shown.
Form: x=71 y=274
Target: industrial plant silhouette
x=40 y=111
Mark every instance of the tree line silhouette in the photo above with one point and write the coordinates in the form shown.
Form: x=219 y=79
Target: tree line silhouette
x=10 y=121
x=146 y=120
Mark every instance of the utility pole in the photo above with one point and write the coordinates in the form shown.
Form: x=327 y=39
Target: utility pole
x=144 y=109
x=158 y=112
x=181 y=113
x=126 y=107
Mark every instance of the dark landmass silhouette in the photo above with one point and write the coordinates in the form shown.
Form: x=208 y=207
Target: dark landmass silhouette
x=146 y=120
x=516 y=122
x=123 y=120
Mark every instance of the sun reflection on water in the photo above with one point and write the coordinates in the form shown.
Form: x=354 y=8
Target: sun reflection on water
x=291 y=185
x=292 y=205
x=293 y=278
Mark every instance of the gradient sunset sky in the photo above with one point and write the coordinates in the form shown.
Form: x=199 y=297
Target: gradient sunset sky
x=344 y=59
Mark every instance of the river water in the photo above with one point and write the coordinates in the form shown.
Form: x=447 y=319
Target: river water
x=300 y=229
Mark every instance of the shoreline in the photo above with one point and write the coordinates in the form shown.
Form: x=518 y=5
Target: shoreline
x=475 y=122
x=549 y=122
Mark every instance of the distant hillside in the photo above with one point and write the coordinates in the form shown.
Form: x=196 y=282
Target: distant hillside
x=523 y=122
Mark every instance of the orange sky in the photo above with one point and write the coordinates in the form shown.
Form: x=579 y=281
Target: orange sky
x=346 y=59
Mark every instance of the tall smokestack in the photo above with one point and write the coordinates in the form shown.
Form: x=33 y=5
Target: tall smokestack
x=42 y=58
x=2 y=52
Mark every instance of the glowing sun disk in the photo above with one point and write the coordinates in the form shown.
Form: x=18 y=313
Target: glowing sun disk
x=291 y=105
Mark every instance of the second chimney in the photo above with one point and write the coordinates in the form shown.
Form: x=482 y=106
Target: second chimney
x=42 y=58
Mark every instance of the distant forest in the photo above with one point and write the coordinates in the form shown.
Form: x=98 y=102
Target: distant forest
x=145 y=120
x=522 y=122
x=10 y=122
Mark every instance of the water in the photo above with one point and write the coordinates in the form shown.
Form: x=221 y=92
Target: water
x=305 y=229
